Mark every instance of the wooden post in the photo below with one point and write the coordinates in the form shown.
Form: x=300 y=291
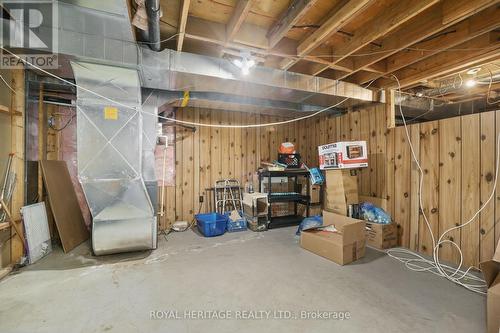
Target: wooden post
x=41 y=141
x=390 y=108
x=17 y=148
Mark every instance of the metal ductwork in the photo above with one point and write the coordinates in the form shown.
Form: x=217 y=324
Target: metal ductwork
x=110 y=164
x=178 y=71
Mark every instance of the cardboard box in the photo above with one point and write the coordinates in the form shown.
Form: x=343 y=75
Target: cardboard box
x=313 y=210
x=342 y=247
x=491 y=272
x=343 y=155
x=314 y=192
x=381 y=236
x=341 y=190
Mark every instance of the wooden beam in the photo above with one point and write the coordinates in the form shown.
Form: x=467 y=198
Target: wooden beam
x=482 y=49
x=183 y=15
x=17 y=148
x=240 y=13
x=343 y=13
x=390 y=108
x=42 y=143
x=341 y=16
x=428 y=23
x=395 y=15
x=456 y=10
x=454 y=35
x=288 y=19
x=215 y=33
x=4 y=109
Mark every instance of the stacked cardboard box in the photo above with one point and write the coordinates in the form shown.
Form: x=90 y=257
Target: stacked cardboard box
x=314 y=190
x=341 y=195
x=381 y=236
x=341 y=190
x=344 y=246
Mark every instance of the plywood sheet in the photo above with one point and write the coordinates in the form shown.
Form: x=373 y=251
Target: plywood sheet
x=64 y=204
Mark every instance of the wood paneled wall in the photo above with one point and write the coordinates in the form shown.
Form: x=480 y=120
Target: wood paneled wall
x=457 y=156
x=210 y=154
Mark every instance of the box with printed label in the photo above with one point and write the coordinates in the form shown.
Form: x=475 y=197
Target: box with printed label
x=343 y=155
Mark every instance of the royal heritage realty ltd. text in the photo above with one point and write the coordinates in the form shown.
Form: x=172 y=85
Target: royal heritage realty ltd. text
x=248 y=315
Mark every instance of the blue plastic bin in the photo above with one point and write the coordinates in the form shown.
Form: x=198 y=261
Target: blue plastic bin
x=211 y=224
x=238 y=225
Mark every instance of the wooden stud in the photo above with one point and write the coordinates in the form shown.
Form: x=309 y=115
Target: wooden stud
x=390 y=108
x=183 y=16
x=17 y=148
x=288 y=19
x=240 y=13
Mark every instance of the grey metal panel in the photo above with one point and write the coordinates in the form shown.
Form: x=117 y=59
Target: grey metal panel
x=110 y=151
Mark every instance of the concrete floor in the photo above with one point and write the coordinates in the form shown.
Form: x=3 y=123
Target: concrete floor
x=235 y=272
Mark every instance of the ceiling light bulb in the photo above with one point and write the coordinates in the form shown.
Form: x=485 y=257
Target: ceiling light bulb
x=420 y=94
x=245 y=70
x=251 y=63
x=238 y=62
x=470 y=83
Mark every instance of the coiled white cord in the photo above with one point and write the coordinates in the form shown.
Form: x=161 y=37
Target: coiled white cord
x=417 y=262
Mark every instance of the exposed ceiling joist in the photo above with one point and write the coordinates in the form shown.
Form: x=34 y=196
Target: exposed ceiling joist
x=380 y=25
x=482 y=49
x=288 y=19
x=470 y=28
x=339 y=16
x=183 y=15
x=453 y=11
x=240 y=13
x=425 y=25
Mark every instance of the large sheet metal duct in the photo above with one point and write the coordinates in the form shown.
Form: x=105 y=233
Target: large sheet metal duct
x=179 y=71
x=110 y=165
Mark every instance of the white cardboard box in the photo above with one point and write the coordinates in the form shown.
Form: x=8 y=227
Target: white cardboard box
x=343 y=155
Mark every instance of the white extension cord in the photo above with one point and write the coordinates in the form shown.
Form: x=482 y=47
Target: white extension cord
x=418 y=263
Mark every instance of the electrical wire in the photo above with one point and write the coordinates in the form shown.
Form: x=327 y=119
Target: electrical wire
x=288 y=121
x=13 y=91
x=489 y=91
x=416 y=262
x=64 y=126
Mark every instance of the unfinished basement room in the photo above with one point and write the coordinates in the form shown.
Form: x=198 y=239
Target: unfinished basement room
x=250 y=166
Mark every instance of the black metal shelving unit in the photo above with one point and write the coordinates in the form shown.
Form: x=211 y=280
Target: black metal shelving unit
x=296 y=197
